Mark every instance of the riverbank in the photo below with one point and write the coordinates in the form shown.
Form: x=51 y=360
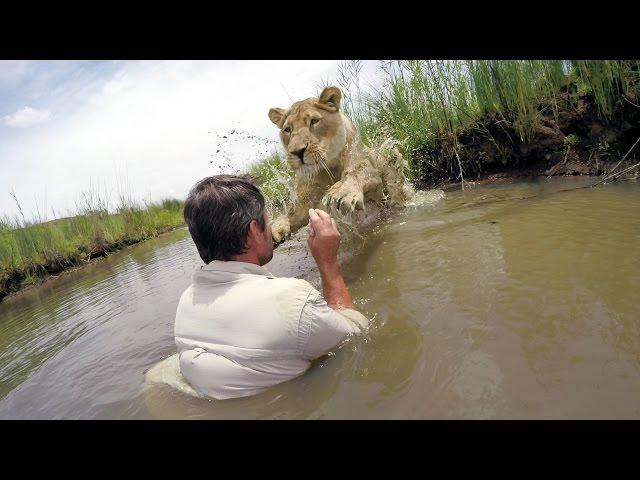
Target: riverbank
x=627 y=170
x=458 y=120
x=32 y=253
x=37 y=281
x=573 y=139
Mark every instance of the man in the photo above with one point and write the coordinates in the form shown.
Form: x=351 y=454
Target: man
x=239 y=329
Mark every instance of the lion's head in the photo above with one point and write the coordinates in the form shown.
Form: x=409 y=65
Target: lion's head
x=314 y=132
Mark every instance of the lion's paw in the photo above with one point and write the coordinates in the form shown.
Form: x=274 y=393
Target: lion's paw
x=344 y=197
x=280 y=230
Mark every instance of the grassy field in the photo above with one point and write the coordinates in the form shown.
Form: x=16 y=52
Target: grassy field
x=30 y=250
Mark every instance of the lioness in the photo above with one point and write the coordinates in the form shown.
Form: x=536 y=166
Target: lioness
x=330 y=163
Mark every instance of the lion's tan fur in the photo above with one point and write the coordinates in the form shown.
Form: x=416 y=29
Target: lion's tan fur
x=335 y=166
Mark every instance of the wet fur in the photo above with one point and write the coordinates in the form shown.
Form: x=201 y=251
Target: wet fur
x=336 y=170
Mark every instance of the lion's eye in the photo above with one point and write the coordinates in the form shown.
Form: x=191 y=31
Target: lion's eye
x=314 y=121
x=287 y=129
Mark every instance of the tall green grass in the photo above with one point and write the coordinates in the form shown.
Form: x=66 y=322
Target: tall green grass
x=29 y=249
x=609 y=81
x=429 y=102
x=275 y=178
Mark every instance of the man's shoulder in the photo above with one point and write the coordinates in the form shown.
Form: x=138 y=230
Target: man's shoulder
x=187 y=294
x=296 y=291
x=292 y=283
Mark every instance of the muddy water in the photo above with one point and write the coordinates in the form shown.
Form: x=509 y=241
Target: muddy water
x=485 y=304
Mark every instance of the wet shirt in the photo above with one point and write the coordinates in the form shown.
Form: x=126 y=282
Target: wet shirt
x=240 y=330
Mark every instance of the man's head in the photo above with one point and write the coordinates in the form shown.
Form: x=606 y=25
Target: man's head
x=227 y=218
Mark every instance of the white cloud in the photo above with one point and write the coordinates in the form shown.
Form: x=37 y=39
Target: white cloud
x=26 y=117
x=12 y=72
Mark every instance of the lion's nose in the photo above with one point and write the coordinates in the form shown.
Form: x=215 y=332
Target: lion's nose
x=300 y=154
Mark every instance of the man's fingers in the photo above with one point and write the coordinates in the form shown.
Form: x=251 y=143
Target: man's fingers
x=322 y=213
x=313 y=216
x=320 y=222
x=310 y=229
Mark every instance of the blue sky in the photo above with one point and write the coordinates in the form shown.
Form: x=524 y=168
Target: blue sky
x=148 y=129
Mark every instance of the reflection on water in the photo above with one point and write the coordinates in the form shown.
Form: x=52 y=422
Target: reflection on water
x=505 y=301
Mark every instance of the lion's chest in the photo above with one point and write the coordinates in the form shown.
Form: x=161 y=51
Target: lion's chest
x=320 y=183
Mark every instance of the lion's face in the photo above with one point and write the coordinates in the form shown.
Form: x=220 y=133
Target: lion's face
x=313 y=132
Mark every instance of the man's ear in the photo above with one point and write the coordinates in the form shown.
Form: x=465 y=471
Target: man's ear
x=277 y=116
x=330 y=99
x=254 y=232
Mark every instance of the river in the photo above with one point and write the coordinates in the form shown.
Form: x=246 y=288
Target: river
x=511 y=300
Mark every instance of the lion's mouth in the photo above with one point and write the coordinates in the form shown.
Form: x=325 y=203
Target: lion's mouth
x=308 y=171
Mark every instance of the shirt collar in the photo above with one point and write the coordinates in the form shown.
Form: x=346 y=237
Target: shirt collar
x=235 y=267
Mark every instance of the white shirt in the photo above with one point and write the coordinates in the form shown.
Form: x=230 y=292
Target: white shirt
x=240 y=330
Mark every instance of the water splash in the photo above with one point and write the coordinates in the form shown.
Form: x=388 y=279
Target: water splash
x=425 y=198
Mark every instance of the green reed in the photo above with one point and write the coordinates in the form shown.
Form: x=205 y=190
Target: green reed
x=430 y=102
x=275 y=178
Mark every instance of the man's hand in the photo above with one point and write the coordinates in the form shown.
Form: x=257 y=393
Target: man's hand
x=324 y=238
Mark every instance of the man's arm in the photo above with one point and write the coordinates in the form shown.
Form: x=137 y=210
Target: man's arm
x=327 y=319
x=324 y=241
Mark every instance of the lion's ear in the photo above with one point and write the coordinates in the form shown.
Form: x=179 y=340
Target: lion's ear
x=330 y=99
x=277 y=116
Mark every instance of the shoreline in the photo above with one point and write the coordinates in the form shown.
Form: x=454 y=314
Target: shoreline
x=544 y=170
x=59 y=270
x=541 y=169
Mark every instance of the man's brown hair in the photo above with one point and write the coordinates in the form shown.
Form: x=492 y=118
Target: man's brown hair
x=218 y=212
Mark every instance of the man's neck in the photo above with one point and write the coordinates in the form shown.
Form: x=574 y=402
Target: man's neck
x=247 y=257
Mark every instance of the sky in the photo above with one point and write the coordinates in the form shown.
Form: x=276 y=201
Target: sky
x=146 y=129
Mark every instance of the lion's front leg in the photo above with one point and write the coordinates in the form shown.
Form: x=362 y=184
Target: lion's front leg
x=345 y=194
x=287 y=225
x=280 y=229
x=351 y=192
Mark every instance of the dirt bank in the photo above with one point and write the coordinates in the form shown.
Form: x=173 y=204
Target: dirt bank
x=572 y=139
